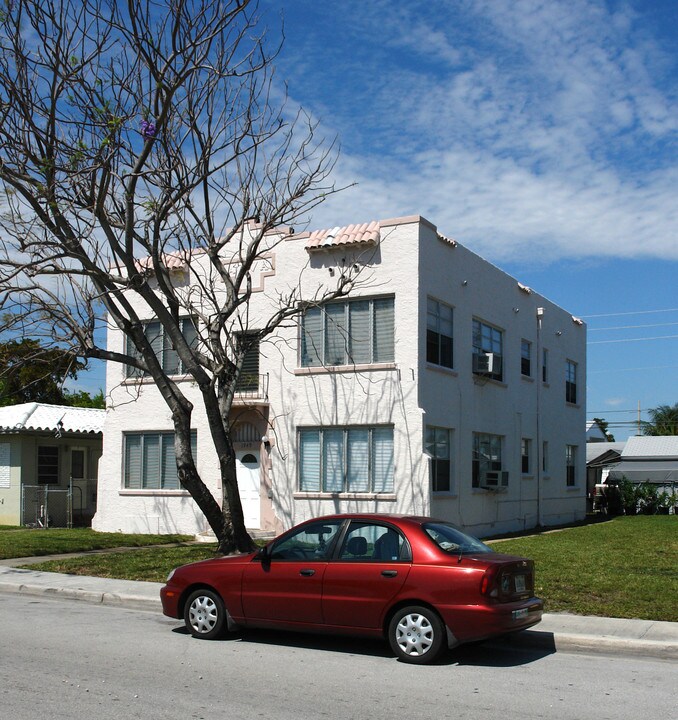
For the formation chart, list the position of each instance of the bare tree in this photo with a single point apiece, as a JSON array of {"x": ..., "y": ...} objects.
[{"x": 135, "y": 136}]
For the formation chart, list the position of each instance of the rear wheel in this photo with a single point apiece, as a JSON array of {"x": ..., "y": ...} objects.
[
  {"x": 416, "y": 634},
  {"x": 205, "y": 614}
]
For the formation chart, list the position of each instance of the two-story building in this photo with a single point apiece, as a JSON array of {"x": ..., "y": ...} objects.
[{"x": 440, "y": 386}]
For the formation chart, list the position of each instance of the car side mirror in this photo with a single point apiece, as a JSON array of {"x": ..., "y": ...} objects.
[{"x": 264, "y": 555}]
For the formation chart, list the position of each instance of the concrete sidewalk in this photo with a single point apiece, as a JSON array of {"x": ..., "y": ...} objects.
[{"x": 557, "y": 631}]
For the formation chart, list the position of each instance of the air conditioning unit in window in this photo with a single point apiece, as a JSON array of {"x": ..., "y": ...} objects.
[
  {"x": 486, "y": 363},
  {"x": 494, "y": 479}
]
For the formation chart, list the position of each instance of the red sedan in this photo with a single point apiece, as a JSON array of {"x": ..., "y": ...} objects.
[{"x": 422, "y": 583}]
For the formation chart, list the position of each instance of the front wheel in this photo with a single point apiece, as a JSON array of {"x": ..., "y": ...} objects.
[
  {"x": 416, "y": 634},
  {"x": 205, "y": 614}
]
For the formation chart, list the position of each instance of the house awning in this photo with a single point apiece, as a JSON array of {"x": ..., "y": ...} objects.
[{"x": 654, "y": 471}]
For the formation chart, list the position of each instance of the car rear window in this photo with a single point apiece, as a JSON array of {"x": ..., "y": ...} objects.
[{"x": 452, "y": 540}]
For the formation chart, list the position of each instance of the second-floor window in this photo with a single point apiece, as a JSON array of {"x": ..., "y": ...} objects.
[
  {"x": 488, "y": 353},
  {"x": 248, "y": 380},
  {"x": 571, "y": 382},
  {"x": 353, "y": 332},
  {"x": 162, "y": 347},
  {"x": 439, "y": 343},
  {"x": 526, "y": 358}
]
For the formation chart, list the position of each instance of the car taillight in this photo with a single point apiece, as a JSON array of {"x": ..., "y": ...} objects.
[{"x": 487, "y": 585}]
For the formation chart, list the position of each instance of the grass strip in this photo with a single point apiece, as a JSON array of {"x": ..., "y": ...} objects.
[{"x": 29, "y": 542}]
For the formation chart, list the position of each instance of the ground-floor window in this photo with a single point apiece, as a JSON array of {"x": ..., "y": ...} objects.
[
  {"x": 438, "y": 449},
  {"x": 526, "y": 456},
  {"x": 487, "y": 464},
  {"x": 346, "y": 459},
  {"x": 150, "y": 462},
  {"x": 571, "y": 465}
]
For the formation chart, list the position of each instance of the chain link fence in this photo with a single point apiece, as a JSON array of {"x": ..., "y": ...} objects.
[{"x": 43, "y": 506}]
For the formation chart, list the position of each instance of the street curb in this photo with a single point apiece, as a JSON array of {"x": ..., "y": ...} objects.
[
  {"x": 133, "y": 602},
  {"x": 599, "y": 645},
  {"x": 148, "y": 599}
]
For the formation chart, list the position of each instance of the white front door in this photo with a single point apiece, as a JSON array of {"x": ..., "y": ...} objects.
[{"x": 249, "y": 482}]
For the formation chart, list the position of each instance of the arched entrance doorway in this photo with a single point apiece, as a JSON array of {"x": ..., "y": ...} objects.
[{"x": 248, "y": 471}]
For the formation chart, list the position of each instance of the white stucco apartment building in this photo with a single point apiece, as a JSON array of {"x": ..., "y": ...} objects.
[{"x": 441, "y": 386}]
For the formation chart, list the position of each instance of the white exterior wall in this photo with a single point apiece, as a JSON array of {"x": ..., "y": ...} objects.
[
  {"x": 410, "y": 263},
  {"x": 518, "y": 407}
]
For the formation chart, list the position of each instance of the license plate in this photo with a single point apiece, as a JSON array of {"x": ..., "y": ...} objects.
[
  {"x": 520, "y": 614},
  {"x": 519, "y": 581}
]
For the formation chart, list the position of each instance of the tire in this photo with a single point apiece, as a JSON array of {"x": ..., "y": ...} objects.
[
  {"x": 205, "y": 614},
  {"x": 416, "y": 634}
]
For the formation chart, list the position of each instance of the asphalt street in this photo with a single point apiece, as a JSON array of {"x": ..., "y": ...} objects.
[{"x": 65, "y": 660}]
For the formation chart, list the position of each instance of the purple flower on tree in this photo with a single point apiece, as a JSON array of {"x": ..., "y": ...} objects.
[{"x": 148, "y": 129}]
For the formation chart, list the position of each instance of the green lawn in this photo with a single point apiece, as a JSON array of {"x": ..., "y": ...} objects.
[
  {"x": 627, "y": 567},
  {"x": 24, "y": 542}
]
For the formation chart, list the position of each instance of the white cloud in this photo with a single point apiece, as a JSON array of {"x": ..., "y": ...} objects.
[{"x": 523, "y": 128}]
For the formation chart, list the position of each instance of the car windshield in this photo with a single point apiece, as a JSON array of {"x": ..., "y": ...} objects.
[{"x": 452, "y": 540}]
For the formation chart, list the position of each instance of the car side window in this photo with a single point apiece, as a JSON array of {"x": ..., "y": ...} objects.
[
  {"x": 310, "y": 542},
  {"x": 372, "y": 542}
]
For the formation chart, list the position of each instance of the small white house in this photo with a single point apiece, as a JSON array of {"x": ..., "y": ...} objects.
[
  {"x": 48, "y": 453},
  {"x": 442, "y": 386},
  {"x": 649, "y": 459}
]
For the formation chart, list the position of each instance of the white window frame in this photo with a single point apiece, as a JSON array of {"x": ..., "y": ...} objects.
[
  {"x": 163, "y": 348},
  {"x": 439, "y": 449},
  {"x": 571, "y": 390},
  {"x": 331, "y": 459},
  {"x": 166, "y": 474},
  {"x": 440, "y": 325},
  {"x": 489, "y": 339},
  {"x": 571, "y": 466},
  {"x": 330, "y": 334}
]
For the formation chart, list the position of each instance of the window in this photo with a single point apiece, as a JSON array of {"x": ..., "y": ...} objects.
[
  {"x": 347, "y": 333},
  {"x": 545, "y": 456},
  {"x": 162, "y": 347},
  {"x": 571, "y": 382},
  {"x": 571, "y": 465},
  {"x": 439, "y": 333},
  {"x": 487, "y": 460},
  {"x": 353, "y": 459},
  {"x": 310, "y": 542},
  {"x": 545, "y": 366},
  {"x": 372, "y": 542},
  {"x": 526, "y": 358},
  {"x": 248, "y": 380},
  {"x": 526, "y": 456},
  {"x": 438, "y": 448},
  {"x": 487, "y": 350},
  {"x": 150, "y": 463},
  {"x": 77, "y": 464},
  {"x": 48, "y": 465}
]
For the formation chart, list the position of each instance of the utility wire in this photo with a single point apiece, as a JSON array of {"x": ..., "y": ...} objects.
[
  {"x": 659, "y": 337},
  {"x": 631, "y": 327},
  {"x": 635, "y": 312}
]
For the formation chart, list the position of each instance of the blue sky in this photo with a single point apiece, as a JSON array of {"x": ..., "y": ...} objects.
[{"x": 541, "y": 134}]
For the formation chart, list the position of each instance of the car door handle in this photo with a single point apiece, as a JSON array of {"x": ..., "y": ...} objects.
[
  {"x": 389, "y": 573},
  {"x": 307, "y": 573}
]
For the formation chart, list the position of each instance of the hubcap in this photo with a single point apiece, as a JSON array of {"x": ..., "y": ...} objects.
[
  {"x": 414, "y": 634},
  {"x": 203, "y": 614}
]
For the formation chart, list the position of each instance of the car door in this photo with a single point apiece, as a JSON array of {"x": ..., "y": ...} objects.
[
  {"x": 370, "y": 568},
  {"x": 285, "y": 585}
]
